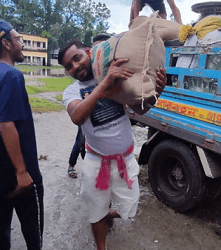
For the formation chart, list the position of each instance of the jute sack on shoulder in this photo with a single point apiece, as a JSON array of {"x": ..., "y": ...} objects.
[
  {"x": 166, "y": 29},
  {"x": 144, "y": 48}
]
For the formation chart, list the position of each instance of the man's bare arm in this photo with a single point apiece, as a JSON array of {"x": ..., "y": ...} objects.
[
  {"x": 79, "y": 110},
  {"x": 175, "y": 10},
  {"x": 161, "y": 81},
  {"x": 135, "y": 9},
  {"x": 11, "y": 141}
]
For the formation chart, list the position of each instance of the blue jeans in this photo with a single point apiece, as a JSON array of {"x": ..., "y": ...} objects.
[
  {"x": 29, "y": 209},
  {"x": 78, "y": 148}
]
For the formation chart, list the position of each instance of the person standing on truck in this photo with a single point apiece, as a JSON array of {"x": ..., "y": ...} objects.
[
  {"x": 21, "y": 185},
  {"x": 110, "y": 170},
  {"x": 138, "y": 5}
]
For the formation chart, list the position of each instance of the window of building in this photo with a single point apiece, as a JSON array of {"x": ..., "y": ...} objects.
[{"x": 27, "y": 43}]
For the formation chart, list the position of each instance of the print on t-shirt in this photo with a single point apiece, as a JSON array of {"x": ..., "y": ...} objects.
[{"x": 105, "y": 111}]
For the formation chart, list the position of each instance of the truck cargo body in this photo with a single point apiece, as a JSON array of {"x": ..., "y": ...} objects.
[{"x": 187, "y": 116}]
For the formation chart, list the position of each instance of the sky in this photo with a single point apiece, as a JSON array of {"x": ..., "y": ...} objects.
[{"x": 120, "y": 12}]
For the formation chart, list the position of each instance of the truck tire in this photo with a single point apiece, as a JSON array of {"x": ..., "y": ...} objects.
[{"x": 176, "y": 175}]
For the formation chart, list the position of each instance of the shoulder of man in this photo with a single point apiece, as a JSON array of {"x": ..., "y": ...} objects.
[{"x": 8, "y": 73}]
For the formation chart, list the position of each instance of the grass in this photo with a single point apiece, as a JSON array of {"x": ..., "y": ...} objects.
[
  {"x": 54, "y": 84},
  {"x": 51, "y": 85},
  {"x": 43, "y": 105},
  {"x": 32, "y": 68},
  {"x": 32, "y": 90},
  {"x": 59, "y": 97}
]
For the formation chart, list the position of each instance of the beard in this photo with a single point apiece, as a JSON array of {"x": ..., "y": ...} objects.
[
  {"x": 20, "y": 59},
  {"x": 88, "y": 76}
]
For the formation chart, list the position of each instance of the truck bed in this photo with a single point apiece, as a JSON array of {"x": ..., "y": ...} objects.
[{"x": 190, "y": 106}]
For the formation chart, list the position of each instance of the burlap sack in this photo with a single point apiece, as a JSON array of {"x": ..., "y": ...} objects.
[
  {"x": 144, "y": 48},
  {"x": 167, "y": 30}
]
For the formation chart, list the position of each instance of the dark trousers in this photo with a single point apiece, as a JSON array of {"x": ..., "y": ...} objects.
[
  {"x": 78, "y": 148},
  {"x": 29, "y": 209}
]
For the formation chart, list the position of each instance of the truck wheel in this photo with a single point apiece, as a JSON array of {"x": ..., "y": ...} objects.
[{"x": 176, "y": 175}]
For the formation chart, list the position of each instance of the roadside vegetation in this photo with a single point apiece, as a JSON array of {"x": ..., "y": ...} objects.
[
  {"x": 50, "y": 84},
  {"x": 59, "y": 97},
  {"x": 55, "y": 84},
  {"x": 59, "y": 21},
  {"x": 32, "y": 68},
  {"x": 39, "y": 105}
]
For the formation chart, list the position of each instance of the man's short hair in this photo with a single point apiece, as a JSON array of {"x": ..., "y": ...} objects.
[
  {"x": 66, "y": 46},
  {"x": 101, "y": 37}
]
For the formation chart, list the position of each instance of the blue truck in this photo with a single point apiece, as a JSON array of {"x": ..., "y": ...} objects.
[{"x": 183, "y": 150}]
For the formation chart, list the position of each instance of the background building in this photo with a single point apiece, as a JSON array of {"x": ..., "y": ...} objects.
[{"x": 35, "y": 50}]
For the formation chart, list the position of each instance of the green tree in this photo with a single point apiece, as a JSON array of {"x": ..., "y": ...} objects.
[
  {"x": 27, "y": 16},
  {"x": 63, "y": 19},
  {"x": 46, "y": 12},
  {"x": 90, "y": 17},
  {"x": 56, "y": 16},
  {"x": 7, "y": 11},
  {"x": 63, "y": 33},
  {"x": 32, "y": 16},
  {"x": 50, "y": 13}
]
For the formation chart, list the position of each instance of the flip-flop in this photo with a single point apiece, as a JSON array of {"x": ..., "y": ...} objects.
[{"x": 72, "y": 172}]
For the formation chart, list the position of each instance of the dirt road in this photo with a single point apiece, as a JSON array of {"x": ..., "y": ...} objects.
[{"x": 66, "y": 228}]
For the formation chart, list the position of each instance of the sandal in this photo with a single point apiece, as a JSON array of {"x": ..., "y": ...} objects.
[{"x": 72, "y": 172}]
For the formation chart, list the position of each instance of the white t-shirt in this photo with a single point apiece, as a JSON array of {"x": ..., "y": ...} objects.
[{"x": 108, "y": 129}]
